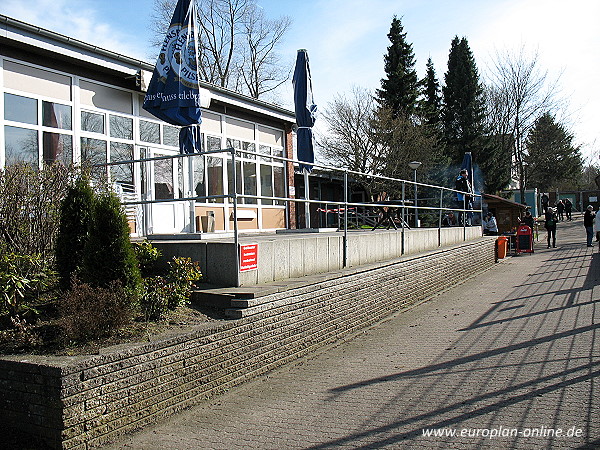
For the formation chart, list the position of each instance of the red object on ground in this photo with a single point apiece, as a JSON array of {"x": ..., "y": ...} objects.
[{"x": 524, "y": 239}]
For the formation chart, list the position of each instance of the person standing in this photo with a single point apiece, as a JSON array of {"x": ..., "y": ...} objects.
[
  {"x": 597, "y": 226},
  {"x": 568, "y": 208},
  {"x": 550, "y": 226},
  {"x": 528, "y": 219},
  {"x": 545, "y": 200},
  {"x": 490, "y": 226},
  {"x": 464, "y": 198},
  {"x": 588, "y": 223},
  {"x": 560, "y": 209}
]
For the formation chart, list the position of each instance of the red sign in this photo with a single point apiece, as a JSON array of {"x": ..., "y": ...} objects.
[{"x": 248, "y": 257}]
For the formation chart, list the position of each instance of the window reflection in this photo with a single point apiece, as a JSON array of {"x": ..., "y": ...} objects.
[
  {"x": 250, "y": 184},
  {"x": 121, "y": 173},
  {"x": 21, "y": 146},
  {"x": 279, "y": 184},
  {"x": 163, "y": 179},
  {"x": 149, "y": 132},
  {"x": 20, "y": 109},
  {"x": 121, "y": 127},
  {"x": 92, "y": 122},
  {"x": 57, "y": 148},
  {"x": 215, "y": 177},
  {"x": 56, "y": 115},
  {"x": 93, "y": 151},
  {"x": 266, "y": 183},
  {"x": 170, "y": 136}
]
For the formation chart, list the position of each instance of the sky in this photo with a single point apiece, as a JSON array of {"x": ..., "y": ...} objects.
[{"x": 347, "y": 39}]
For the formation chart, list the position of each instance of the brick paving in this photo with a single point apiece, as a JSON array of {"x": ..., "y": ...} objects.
[{"x": 514, "y": 352}]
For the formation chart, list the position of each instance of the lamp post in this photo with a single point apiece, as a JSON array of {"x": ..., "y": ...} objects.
[{"x": 414, "y": 165}]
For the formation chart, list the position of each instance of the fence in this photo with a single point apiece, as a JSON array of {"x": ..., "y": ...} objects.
[{"x": 417, "y": 203}]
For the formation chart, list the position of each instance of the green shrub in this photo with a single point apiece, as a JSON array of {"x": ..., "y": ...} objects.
[
  {"x": 108, "y": 253},
  {"x": 75, "y": 217},
  {"x": 89, "y": 312},
  {"x": 22, "y": 277},
  {"x": 183, "y": 273},
  {"x": 147, "y": 256},
  {"x": 161, "y": 294}
]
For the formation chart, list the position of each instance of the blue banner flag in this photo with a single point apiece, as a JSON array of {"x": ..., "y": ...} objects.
[
  {"x": 173, "y": 94},
  {"x": 305, "y": 109}
]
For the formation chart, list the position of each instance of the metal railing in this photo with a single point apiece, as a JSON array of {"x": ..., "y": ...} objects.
[{"x": 431, "y": 205}]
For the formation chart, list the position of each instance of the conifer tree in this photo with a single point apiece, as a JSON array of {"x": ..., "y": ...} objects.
[
  {"x": 430, "y": 103},
  {"x": 108, "y": 253},
  {"x": 399, "y": 91},
  {"x": 463, "y": 107},
  {"x": 75, "y": 216},
  {"x": 551, "y": 158}
]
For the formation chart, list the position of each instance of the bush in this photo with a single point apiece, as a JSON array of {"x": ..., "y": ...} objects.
[
  {"x": 22, "y": 277},
  {"x": 161, "y": 294},
  {"x": 75, "y": 217},
  {"x": 89, "y": 312},
  {"x": 108, "y": 253},
  {"x": 147, "y": 256},
  {"x": 30, "y": 207}
]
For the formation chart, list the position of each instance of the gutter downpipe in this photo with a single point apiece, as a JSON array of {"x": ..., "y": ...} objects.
[{"x": 236, "y": 238}]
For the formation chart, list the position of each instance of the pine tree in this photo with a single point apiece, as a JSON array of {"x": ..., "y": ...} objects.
[
  {"x": 551, "y": 158},
  {"x": 429, "y": 105},
  {"x": 462, "y": 112},
  {"x": 399, "y": 91}
]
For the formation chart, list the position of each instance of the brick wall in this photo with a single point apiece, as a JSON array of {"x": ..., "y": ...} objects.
[{"x": 88, "y": 401}]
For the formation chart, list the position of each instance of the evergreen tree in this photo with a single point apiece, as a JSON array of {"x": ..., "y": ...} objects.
[
  {"x": 463, "y": 107},
  {"x": 399, "y": 91},
  {"x": 551, "y": 159},
  {"x": 75, "y": 216},
  {"x": 430, "y": 103},
  {"x": 108, "y": 253}
]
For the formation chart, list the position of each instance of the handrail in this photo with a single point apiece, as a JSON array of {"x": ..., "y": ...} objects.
[{"x": 403, "y": 204}]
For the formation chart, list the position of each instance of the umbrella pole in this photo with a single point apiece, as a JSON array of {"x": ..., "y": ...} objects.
[
  {"x": 306, "y": 204},
  {"x": 192, "y": 193}
]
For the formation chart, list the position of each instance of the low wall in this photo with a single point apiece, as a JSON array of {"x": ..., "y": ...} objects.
[
  {"x": 290, "y": 256},
  {"x": 86, "y": 402}
]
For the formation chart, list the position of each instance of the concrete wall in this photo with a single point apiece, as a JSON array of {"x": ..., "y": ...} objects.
[
  {"x": 282, "y": 257},
  {"x": 86, "y": 402}
]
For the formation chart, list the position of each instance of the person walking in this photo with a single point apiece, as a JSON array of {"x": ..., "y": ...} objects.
[
  {"x": 588, "y": 223},
  {"x": 568, "y": 208},
  {"x": 597, "y": 227},
  {"x": 550, "y": 226},
  {"x": 560, "y": 209},
  {"x": 545, "y": 200}
]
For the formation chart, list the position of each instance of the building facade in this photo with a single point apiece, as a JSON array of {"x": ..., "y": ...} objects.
[{"x": 62, "y": 100}]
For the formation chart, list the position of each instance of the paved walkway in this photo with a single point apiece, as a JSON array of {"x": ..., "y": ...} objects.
[{"x": 505, "y": 359}]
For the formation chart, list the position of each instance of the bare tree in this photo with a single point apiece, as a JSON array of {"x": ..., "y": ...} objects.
[
  {"x": 237, "y": 44},
  {"x": 365, "y": 138},
  {"x": 518, "y": 93}
]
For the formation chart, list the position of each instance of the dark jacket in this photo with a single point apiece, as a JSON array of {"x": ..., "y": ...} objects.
[
  {"x": 551, "y": 220},
  {"x": 588, "y": 218}
]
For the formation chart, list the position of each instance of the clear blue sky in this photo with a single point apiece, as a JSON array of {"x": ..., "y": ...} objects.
[{"x": 346, "y": 39}]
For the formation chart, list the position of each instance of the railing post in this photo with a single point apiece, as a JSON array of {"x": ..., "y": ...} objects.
[
  {"x": 345, "y": 259},
  {"x": 236, "y": 238},
  {"x": 402, "y": 222}
]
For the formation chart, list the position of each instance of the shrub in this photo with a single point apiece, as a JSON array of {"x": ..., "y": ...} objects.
[
  {"x": 30, "y": 207},
  {"x": 108, "y": 254},
  {"x": 147, "y": 256},
  {"x": 75, "y": 217},
  {"x": 22, "y": 277},
  {"x": 161, "y": 294},
  {"x": 183, "y": 272},
  {"x": 89, "y": 312}
]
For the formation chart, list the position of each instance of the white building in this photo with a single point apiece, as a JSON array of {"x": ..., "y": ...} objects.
[{"x": 68, "y": 101}]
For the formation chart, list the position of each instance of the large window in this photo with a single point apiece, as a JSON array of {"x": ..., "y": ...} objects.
[
  {"x": 20, "y": 145},
  {"x": 22, "y": 141}
]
